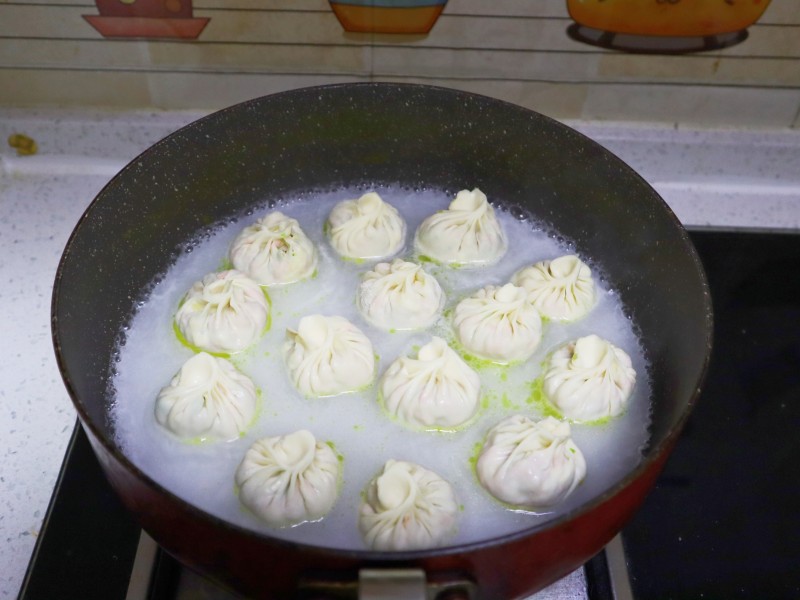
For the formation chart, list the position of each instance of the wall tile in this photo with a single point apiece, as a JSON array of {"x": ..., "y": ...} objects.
[
  {"x": 48, "y": 87},
  {"x": 182, "y": 90},
  {"x": 517, "y": 50}
]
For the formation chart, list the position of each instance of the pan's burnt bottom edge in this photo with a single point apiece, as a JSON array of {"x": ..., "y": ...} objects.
[{"x": 90, "y": 548}]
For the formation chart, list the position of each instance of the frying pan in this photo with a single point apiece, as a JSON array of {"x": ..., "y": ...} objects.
[{"x": 416, "y": 136}]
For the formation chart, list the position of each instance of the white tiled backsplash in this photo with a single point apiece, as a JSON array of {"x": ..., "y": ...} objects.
[{"x": 517, "y": 50}]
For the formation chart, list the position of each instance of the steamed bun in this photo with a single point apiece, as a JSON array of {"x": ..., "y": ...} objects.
[
  {"x": 289, "y": 479},
  {"x": 589, "y": 379},
  {"x": 500, "y": 324},
  {"x": 466, "y": 234},
  {"x": 367, "y": 228},
  {"x": 400, "y": 295},
  {"x": 274, "y": 250},
  {"x": 327, "y": 356},
  {"x": 223, "y": 313},
  {"x": 407, "y": 507},
  {"x": 530, "y": 464},
  {"x": 562, "y": 288},
  {"x": 436, "y": 390},
  {"x": 207, "y": 399}
]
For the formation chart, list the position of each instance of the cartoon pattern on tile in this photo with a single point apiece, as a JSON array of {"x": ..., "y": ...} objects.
[
  {"x": 156, "y": 19},
  {"x": 388, "y": 16},
  {"x": 663, "y": 26}
]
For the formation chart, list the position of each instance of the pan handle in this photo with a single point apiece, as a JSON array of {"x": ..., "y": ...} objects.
[{"x": 390, "y": 584}]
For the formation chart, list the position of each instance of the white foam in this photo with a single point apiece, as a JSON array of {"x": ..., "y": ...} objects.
[{"x": 360, "y": 431}]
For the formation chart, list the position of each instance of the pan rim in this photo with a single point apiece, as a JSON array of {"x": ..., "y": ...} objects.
[{"x": 653, "y": 454}]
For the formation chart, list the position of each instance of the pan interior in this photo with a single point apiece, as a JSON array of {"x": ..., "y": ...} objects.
[{"x": 354, "y": 423}]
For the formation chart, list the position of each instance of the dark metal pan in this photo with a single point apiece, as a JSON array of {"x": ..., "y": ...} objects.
[{"x": 325, "y": 137}]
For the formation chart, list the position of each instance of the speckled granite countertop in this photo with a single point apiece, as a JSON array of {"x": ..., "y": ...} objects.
[{"x": 739, "y": 179}]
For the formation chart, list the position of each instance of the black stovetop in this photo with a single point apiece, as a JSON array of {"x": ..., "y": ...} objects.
[
  {"x": 724, "y": 518},
  {"x": 722, "y": 521}
]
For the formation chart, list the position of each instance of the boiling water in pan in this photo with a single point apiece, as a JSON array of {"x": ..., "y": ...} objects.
[{"x": 203, "y": 473}]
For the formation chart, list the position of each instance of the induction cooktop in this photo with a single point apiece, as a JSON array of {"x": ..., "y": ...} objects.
[{"x": 722, "y": 521}]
